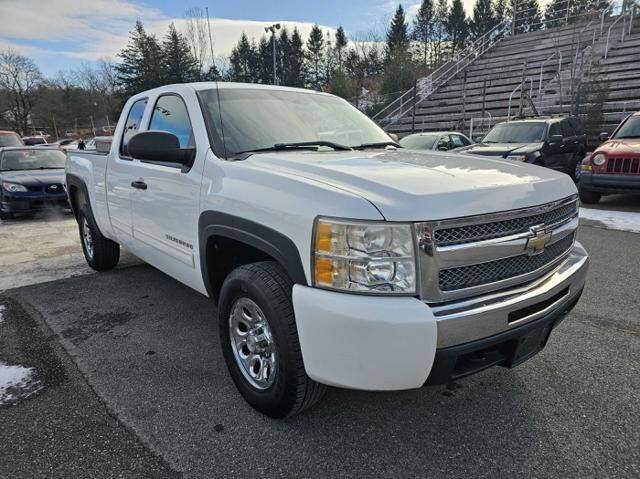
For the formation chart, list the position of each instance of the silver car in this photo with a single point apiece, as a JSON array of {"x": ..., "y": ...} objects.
[{"x": 437, "y": 140}]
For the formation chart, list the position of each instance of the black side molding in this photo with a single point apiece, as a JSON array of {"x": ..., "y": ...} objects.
[{"x": 269, "y": 241}]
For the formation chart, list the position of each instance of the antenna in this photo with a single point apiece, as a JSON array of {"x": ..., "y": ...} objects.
[{"x": 224, "y": 144}]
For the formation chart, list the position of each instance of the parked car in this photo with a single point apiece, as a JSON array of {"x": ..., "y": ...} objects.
[
  {"x": 34, "y": 140},
  {"x": 334, "y": 256},
  {"x": 438, "y": 140},
  {"x": 10, "y": 138},
  {"x": 32, "y": 180},
  {"x": 557, "y": 143},
  {"x": 613, "y": 167}
]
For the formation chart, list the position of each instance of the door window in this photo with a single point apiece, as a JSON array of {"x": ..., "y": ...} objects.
[
  {"x": 567, "y": 129},
  {"x": 554, "y": 129},
  {"x": 444, "y": 143},
  {"x": 170, "y": 115},
  {"x": 458, "y": 141},
  {"x": 132, "y": 125}
]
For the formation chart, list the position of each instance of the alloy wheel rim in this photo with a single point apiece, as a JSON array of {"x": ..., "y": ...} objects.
[
  {"x": 87, "y": 239},
  {"x": 252, "y": 343}
]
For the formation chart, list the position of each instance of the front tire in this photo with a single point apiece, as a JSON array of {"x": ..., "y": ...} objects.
[
  {"x": 260, "y": 342},
  {"x": 589, "y": 197},
  {"x": 101, "y": 253}
]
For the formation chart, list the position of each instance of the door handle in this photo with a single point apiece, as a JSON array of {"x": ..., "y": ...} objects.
[{"x": 141, "y": 185}]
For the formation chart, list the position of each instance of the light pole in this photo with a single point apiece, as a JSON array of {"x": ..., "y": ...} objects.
[{"x": 272, "y": 29}]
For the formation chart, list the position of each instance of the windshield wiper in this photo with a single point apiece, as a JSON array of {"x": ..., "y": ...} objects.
[
  {"x": 301, "y": 145},
  {"x": 623, "y": 137},
  {"x": 380, "y": 144}
]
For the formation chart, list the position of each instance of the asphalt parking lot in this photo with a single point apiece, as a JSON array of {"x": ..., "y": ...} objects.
[{"x": 149, "y": 392}]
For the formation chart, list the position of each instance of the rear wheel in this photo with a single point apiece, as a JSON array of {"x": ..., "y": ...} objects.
[
  {"x": 5, "y": 215},
  {"x": 260, "y": 341},
  {"x": 101, "y": 253},
  {"x": 589, "y": 197}
]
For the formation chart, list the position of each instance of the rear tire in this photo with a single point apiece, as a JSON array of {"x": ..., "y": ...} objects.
[
  {"x": 101, "y": 253},
  {"x": 589, "y": 197},
  {"x": 256, "y": 299},
  {"x": 5, "y": 215}
]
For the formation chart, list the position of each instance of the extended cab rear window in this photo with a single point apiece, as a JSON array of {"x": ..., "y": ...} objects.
[{"x": 132, "y": 125}]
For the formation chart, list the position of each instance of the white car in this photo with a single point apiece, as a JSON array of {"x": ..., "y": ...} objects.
[{"x": 335, "y": 257}]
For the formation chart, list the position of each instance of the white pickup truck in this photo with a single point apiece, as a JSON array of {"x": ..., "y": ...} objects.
[{"x": 335, "y": 257}]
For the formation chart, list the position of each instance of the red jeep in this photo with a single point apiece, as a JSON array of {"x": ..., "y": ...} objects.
[{"x": 614, "y": 167}]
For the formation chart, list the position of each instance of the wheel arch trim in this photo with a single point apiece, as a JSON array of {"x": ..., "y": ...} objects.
[{"x": 271, "y": 242}]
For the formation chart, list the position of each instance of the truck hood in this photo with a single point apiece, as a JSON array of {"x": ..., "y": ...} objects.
[
  {"x": 413, "y": 186},
  {"x": 34, "y": 178},
  {"x": 501, "y": 149}
]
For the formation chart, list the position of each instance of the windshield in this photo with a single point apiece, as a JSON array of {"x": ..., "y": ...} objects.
[
  {"x": 255, "y": 119},
  {"x": 10, "y": 139},
  {"x": 630, "y": 129},
  {"x": 31, "y": 159},
  {"x": 419, "y": 142},
  {"x": 529, "y": 132}
]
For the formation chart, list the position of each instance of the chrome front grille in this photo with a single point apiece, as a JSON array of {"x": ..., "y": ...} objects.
[
  {"x": 496, "y": 229},
  {"x": 465, "y": 257},
  {"x": 493, "y": 271}
]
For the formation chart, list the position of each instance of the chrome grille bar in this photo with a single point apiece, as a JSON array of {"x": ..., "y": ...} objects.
[{"x": 451, "y": 263}]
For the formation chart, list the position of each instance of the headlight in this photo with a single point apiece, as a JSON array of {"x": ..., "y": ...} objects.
[
  {"x": 599, "y": 159},
  {"x": 517, "y": 157},
  {"x": 13, "y": 187},
  {"x": 376, "y": 258}
]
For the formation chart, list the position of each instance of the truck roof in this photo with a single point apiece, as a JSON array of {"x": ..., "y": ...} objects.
[{"x": 198, "y": 86}]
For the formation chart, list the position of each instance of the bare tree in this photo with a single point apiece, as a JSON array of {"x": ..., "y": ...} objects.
[
  {"x": 198, "y": 36},
  {"x": 20, "y": 80}
]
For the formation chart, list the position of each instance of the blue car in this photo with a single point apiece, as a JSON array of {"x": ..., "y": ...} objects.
[{"x": 31, "y": 180}]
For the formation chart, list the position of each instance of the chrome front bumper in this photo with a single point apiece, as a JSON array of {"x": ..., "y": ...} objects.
[{"x": 459, "y": 322}]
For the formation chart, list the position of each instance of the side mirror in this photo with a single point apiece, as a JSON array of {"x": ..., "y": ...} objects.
[
  {"x": 159, "y": 146},
  {"x": 604, "y": 136},
  {"x": 556, "y": 139},
  {"x": 393, "y": 136}
]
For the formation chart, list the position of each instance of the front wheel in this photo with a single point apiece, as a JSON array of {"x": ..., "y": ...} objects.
[
  {"x": 101, "y": 253},
  {"x": 260, "y": 342}
]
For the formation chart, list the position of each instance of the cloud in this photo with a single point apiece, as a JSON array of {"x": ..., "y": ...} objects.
[{"x": 90, "y": 30}]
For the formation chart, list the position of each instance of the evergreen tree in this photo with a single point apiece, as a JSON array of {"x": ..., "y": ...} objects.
[
  {"x": 178, "y": 62},
  {"x": 283, "y": 55},
  {"x": 341, "y": 44},
  {"x": 296, "y": 60},
  {"x": 398, "y": 35},
  {"x": 244, "y": 61},
  {"x": 423, "y": 28},
  {"x": 500, "y": 10},
  {"x": 141, "y": 66},
  {"x": 265, "y": 61},
  {"x": 399, "y": 69},
  {"x": 315, "y": 55},
  {"x": 440, "y": 30},
  {"x": 483, "y": 19},
  {"x": 528, "y": 16},
  {"x": 555, "y": 13},
  {"x": 457, "y": 26}
]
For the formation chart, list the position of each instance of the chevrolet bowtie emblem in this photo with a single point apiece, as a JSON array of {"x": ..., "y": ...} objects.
[{"x": 538, "y": 241}]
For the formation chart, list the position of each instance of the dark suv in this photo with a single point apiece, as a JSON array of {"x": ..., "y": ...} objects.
[{"x": 558, "y": 143}]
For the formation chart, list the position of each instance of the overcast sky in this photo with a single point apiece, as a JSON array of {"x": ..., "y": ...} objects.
[{"x": 61, "y": 34}]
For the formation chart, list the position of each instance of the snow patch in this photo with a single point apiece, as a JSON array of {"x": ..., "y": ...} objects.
[
  {"x": 17, "y": 382},
  {"x": 615, "y": 220}
]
